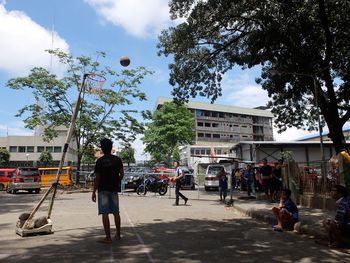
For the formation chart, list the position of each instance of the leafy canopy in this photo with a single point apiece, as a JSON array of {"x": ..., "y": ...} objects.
[
  {"x": 108, "y": 115},
  {"x": 301, "y": 46},
  {"x": 171, "y": 125},
  {"x": 4, "y": 158},
  {"x": 127, "y": 154},
  {"x": 45, "y": 158}
]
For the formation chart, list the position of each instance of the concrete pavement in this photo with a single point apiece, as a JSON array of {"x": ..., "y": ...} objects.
[{"x": 153, "y": 231}]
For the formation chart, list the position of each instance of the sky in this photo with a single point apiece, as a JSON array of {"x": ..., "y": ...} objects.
[{"x": 83, "y": 27}]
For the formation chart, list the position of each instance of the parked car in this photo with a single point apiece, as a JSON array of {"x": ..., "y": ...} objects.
[
  {"x": 134, "y": 176},
  {"x": 5, "y": 177},
  {"x": 211, "y": 180},
  {"x": 187, "y": 182},
  {"x": 90, "y": 178},
  {"x": 25, "y": 178}
]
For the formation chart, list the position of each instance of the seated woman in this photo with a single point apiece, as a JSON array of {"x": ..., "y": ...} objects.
[
  {"x": 340, "y": 224},
  {"x": 286, "y": 212}
]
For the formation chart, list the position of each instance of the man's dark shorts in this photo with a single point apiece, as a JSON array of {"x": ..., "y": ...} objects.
[
  {"x": 266, "y": 184},
  {"x": 108, "y": 202}
]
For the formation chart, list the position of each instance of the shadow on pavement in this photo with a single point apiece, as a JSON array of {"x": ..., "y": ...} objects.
[{"x": 185, "y": 240}]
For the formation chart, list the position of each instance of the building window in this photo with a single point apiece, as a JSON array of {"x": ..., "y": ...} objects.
[
  {"x": 192, "y": 151},
  {"x": 214, "y": 114},
  {"x": 208, "y": 135},
  {"x": 200, "y": 123},
  {"x": 218, "y": 151},
  {"x": 57, "y": 149},
  {"x": 198, "y": 151},
  {"x": 30, "y": 149},
  {"x": 215, "y": 125},
  {"x": 207, "y": 151},
  {"x": 40, "y": 149},
  {"x": 215, "y": 135},
  {"x": 49, "y": 149},
  {"x": 221, "y": 115},
  {"x": 21, "y": 149},
  {"x": 200, "y": 134},
  {"x": 202, "y": 151},
  {"x": 206, "y": 113},
  {"x": 207, "y": 124}
]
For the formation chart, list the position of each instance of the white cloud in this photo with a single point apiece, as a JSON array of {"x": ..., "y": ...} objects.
[
  {"x": 23, "y": 43},
  {"x": 139, "y": 148},
  {"x": 139, "y": 18},
  {"x": 241, "y": 92}
]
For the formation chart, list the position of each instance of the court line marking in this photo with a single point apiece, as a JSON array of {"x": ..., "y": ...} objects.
[{"x": 146, "y": 250}]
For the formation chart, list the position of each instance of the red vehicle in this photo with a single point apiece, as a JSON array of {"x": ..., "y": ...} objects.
[
  {"x": 5, "y": 177},
  {"x": 25, "y": 178}
]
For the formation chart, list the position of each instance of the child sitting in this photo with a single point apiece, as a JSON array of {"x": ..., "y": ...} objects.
[
  {"x": 340, "y": 224},
  {"x": 286, "y": 212}
]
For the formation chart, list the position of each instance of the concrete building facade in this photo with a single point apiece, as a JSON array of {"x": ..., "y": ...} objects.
[
  {"x": 26, "y": 150},
  {"x": 219, "y": 127}
]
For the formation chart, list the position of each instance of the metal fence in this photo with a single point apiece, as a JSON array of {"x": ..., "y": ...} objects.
[
  {"x": 303, "y": 179},
  {"x": 316, "y": 178}
]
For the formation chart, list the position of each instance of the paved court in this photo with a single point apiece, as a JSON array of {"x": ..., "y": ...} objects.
[{"x": 152, "y": 231}]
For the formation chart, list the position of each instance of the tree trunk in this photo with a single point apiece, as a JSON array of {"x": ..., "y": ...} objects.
[
  {"x": 80, "y": 156},
  {"x": 335, "y": 127}
]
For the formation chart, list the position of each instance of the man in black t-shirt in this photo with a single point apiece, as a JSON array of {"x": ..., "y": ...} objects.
[
  {"x": 265, "y": 178},
  {"x": 109, "y": 171}
]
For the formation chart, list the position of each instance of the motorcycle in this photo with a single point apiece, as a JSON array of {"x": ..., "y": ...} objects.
[{"x": 153, "y": 185}]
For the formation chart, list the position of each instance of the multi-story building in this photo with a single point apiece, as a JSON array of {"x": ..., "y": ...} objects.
[
  {"x": 219, "y": 127},
  {"x": 26, "y": 150}
]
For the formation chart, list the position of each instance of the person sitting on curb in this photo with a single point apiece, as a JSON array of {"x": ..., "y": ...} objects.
[
  {"x": 340, "y": 224},
  {"x": 286, "y": 212}
]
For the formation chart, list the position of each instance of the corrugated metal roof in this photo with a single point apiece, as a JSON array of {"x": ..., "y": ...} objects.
[
  {"x": 287, "y": 142},
  {"x": 220, "y": 108}
]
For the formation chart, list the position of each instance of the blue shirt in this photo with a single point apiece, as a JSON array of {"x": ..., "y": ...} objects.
[
  {"x": 223, "y": 181},
  {"x": 342, "y": 211},
  {"x": 249, "y": 174},
  {"x": 291, "y": 208}
]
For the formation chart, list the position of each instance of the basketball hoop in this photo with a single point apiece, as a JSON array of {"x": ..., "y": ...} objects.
[{"x": 94, "y": 84}]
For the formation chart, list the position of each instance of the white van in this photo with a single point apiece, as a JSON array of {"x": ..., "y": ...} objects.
[{"x": 211, "y": 180}]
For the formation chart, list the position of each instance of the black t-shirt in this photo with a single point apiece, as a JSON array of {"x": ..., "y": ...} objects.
[
  {"x": 108, "y": 167},
  {"x": 265, "y": 172}
]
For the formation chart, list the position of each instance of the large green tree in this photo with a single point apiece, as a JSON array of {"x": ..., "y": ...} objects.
[
  {"x": 171, "y": 125},
  {"x": 4, "y": 158},
  {"x": 302, "y": 47},
  {"x": 45, "y": 158},
  {"x": 107, "y": 114},
  {"x": 127, "y": 154}
]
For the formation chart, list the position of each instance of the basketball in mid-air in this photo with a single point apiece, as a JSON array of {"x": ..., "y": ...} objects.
[{"x": 124, "y": 61}]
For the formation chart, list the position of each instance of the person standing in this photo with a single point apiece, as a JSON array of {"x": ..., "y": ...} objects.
[
  {"x": 265, "y": 177},
  {"x": 276, "y": 181},
  {"x": 179, "y": 174},
  {"x": 222, "y": 176},
  {"x": 109, "y": 171},
  {"x": 249, "y": 177}
]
